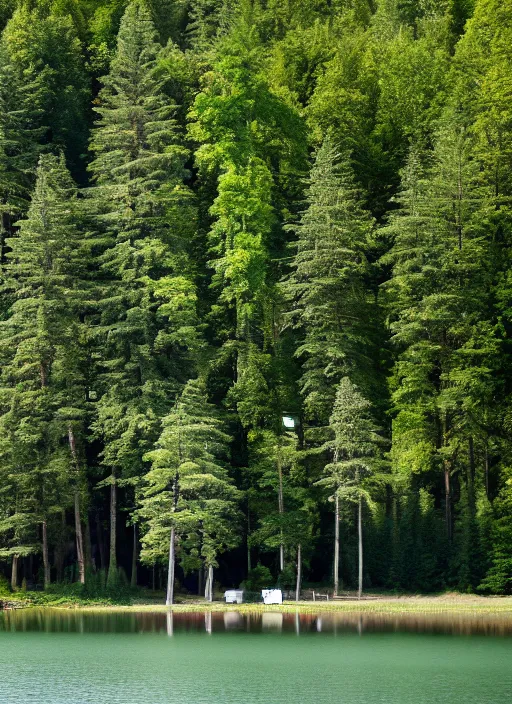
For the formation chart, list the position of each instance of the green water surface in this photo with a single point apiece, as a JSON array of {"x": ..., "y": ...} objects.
[{"x": 76, "y": 658}]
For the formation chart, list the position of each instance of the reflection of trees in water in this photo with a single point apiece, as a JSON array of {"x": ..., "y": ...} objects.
[{"x": 62, "y": 621}]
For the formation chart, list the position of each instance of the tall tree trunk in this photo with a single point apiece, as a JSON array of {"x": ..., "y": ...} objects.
[
  {"x": 170, "y": 572},
  {"x": 46, "y": 561},
  {"x": 447, "y": 500},
  {"x": 133, "y": 580},
  {"x": 87, "y": 542},
  {"x": 14, "y": 573},
  {"x": 208, "y": 592},
  {"x": 60, "y": 550},
  {"x": 78, "y": 521},
  {"x": 299, "y": 572},
  {"x": 207, "y": 586},
  {"x": 447, "y": 484},
  {"x": 280, "y": 500},
  {"x": 336, "y": 543},
  {"x": 112, "y": 560},
  {"x": 79, "y": 540},
  {"x": 360, "y": 546},
  {"x": 172, "y": 545},
  {"x": 101, "y": 543}
]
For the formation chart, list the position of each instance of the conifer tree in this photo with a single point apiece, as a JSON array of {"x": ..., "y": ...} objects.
[
  {"x": 205, "y": 19},
  {"x": 21, "y": 134},
  {"x": 42, "y": 279},
  {"x": 187, "y": 495},
  {"x": 498, "y": 579},
  {"x": 327, "y": 291},
  {"x": 355, "y": 451},
  {"x": 148, "y": 308},
  {"x": 440, "y": 313},
  {"x": 45, "y": 57}
]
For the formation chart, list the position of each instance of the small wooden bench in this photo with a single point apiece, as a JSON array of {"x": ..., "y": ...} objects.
[{"x": 316, "y": 596}]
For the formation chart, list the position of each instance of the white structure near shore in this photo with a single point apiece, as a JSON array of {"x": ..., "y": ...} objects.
[{"x": 272, "y": 596}]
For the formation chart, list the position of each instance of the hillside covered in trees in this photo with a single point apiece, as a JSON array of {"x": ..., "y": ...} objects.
[{"x": 256, "y": 293}]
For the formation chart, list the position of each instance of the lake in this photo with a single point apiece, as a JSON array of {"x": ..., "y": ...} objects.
[{"x": 73, "y": 657}]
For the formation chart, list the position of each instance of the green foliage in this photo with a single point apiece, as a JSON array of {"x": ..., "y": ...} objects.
[
  {"x": 5, "y": 587},
  {"x": 260, "y": 577},
  {"x": 38, "y": 348},
  {"x": 354, "y": 447},
  {"x": 499, "y": 577},
  {"x": 188, "y": 487},
  {"x": 45, "y": 56},
  {"x": 366, "y": 294},
  {"x": 327, "y": 291},
  {"x": 148, "y": 319}
]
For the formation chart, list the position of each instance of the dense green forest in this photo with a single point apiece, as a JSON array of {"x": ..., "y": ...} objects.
[{"x": 256, "y": 293}]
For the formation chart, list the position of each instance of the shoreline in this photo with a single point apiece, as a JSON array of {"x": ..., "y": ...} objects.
[{"x": 449, "y": 603}]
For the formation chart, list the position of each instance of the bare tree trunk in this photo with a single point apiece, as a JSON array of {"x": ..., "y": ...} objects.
[
  {"x": 133, "y": 580},
  {"x": 112, "y": 561},
  {"x": 79, "y": 540},
  {"x": 208, "y": 592},
  {"x": 170, "y": 572},
  {"x": 59, "y": 553},
  {"x": 447, "y": 484},
  {"x": 46, "y": 561},
  {"x": 14, "y": 573},
  {"x": 172, "y": 545},
  {"x": 299, "y": 572},
  {"x": 447, "y": 500},
  {"x": 101, "y": 544},
  {"x": 87, "y": 543},
  {"x": 280, "y": 500},
  {"x": 336, "y": 543},
  {"x": 78, "y": 522},
  {"x": 360, "y": 542}
]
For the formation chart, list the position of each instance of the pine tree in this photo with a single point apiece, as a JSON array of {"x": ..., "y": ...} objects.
[
  {"x": 355, "y": 452},
  {"x": 187, "y": 491},
  {"x": 148, "y": 308},
  {"x": 206, "y": 18},
  {"x": 498, "y": 579},
  {"x": 45, "y": 57},
  {"x": 327, "y": 290},
  {"x": 42, "y": 277},
  {"x": 443, "y": 378},
  {"x": 21, "y": 134}
]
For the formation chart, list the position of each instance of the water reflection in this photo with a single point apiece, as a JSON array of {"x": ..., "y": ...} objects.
[
  {"x": 170, "y": 623},
  {"x": 271, "y": 621},
  {"x": 233, "y": 621}
]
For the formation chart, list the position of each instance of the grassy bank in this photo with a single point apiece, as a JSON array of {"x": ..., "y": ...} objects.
[{"x": 384, "y": 604}]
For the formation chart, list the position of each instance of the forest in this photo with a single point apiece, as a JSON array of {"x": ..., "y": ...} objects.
[{"x": 256, "y": 294}]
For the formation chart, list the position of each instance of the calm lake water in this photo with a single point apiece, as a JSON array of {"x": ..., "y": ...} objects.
[{"x": 54, "y": 657}]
